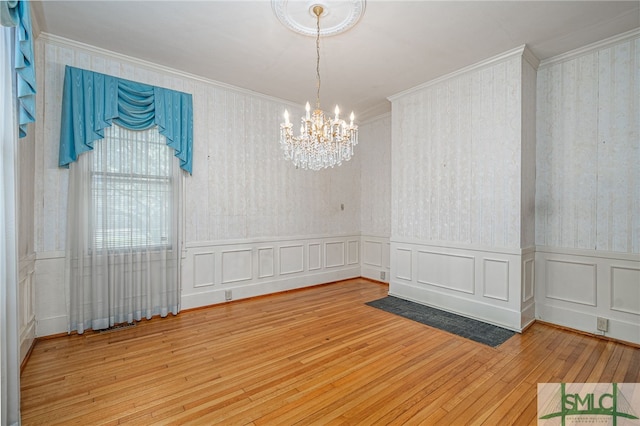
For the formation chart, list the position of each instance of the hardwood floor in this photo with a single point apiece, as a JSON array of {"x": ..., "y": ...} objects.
[{"x": 314, "y": 356}]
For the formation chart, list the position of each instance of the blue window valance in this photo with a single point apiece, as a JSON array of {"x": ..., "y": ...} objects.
[
  {"x": 15, "y": 13},
  {"x": 92, "y": 101}
]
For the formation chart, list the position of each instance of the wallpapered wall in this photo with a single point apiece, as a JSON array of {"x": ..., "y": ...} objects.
[
  {"x": 456, "y": 159},
  {"x": 375, "y": 176},
  {"x": 588, "y": 151},
  {"x": 588, "y": 188},
  {"x": 240, "y": 188}
]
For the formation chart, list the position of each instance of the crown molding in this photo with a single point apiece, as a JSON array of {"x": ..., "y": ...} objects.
[
  {"x": 509, "y": 54},
  {"x": 376, "y": 118},
  {"x": 65, "y": 42},
  {"x": 532, "y": 59},
  {"x": 590, "y": 48}
]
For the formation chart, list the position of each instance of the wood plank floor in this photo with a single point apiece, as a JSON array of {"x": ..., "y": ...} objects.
[{"x": 314, "y": 356}]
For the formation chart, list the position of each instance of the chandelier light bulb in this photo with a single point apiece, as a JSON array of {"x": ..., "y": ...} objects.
[{"x": 322, "y": 142}]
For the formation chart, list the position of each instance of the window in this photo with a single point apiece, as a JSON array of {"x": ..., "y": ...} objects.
[{"x": 131, "y": 190}]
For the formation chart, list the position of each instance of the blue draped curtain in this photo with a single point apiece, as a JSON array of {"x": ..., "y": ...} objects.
[
  {"x": 93, "y": 101},
  {"x": 123, "y": 215},
  {"x": 15, "y": 13}
]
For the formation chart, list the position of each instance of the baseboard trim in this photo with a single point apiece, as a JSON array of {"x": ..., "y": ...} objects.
[
  {"x": 498, "y": 316},
  {"x": 586, "y": 333},
  {"x": 23, "y": 364}
]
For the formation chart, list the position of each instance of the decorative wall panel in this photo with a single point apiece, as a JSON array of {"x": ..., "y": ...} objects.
[
  {"x": 26, "y": 304},
  {"x": 403, "y": 267},
  {"x": 585, "y": 284},
  {"x": 625, "y": 290},
  {"x": 450, "y": 271},
  {"x": 446, "y": 277},
  {"x": 528, "y": 281},
  {"x": 495, "y": 279},
  {"x": 265, "y": 262},
  {"x": 573, "y": 282},
  {"x": 375, "y": 258},
  {"x": 372, "y": 253},
  {"x": 334, "y": 254},
  {"x": 204, "y": 269},
  {"x": 353, "y": 252},
  {"x": 291, "y": 259},
  {"x": 315, "y": 256},
  {"x": 236, "y": 266}
]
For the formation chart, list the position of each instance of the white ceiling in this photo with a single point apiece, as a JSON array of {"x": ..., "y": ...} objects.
[{"x": 396, "y": 44}]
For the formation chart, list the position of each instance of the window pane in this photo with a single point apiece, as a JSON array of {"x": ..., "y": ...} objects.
[{"x": 131, "y": 189}]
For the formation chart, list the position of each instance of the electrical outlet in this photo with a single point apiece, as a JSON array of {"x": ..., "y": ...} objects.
[
  {"x": 603, "y": 324},
  {"x": 228, "y": 295},
  {"x": 383, "y": 275}
]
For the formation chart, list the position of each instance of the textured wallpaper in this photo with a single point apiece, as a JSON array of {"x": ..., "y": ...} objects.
[
  {"x": 241, "y": 186},
  {"x": 375, "y": 176},
  {"x": 588, "y": 151},
  {"x": 456, "y": 156}
]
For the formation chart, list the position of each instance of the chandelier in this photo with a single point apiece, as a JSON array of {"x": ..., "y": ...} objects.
[{"x": 323, "y": 142}]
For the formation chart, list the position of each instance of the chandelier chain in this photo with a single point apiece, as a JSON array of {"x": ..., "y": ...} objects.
[{"x": 318, "y": 60}]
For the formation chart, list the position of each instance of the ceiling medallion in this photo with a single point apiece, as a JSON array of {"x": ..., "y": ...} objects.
[{"x": 337, "y": 16}]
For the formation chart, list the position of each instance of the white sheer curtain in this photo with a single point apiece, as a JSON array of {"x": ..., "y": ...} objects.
[
  {"x": 123, "y": 230},
  {"x": 9, "y": 346}
]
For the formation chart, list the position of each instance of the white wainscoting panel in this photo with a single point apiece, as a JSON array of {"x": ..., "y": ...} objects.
[
  {"x": 495, "y": 279},
  {"x": 625, "y": 289},
  {"x": 248, "y": 268},
  {"x": 265, "y": 262},
  {"x": 451, "y": 271},
  {"x": 236, "y": 266},
  {"x": 574, "y": 287},
  {"x": 26, "y": 300},
  {"x": 291, "y": 259},
  {"x": 51, "y": 292},
  {"x": 386, "y": 254},
  {"x": 334, "y": 254},
  {"x": 252, "y": 268},
  {"x": 204, "y": 269},
  {"x": 315, "y": 256},
  {"x": 527, "y": 291},
  {"x": 372, "y": 253},
  {"x": 577, "y": 281},
  {"x": 353, "y": 247},
  {"x": 445, "y": 277},
  {"x": 403, "y": 267},
  {"x": 528, "y": 279},
  {"x": 375, "y": 258}
]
